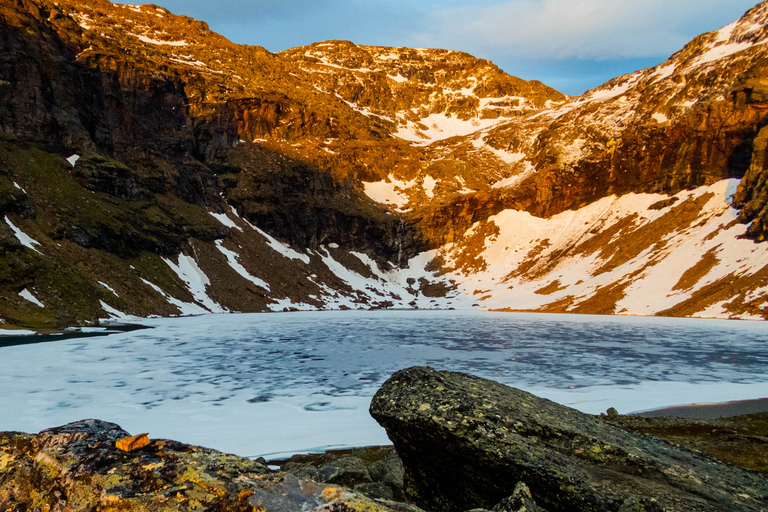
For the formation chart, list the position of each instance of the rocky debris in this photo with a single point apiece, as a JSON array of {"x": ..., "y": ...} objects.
[
  {"x": 738, "y": 440},
  {"x": 376, "y": 472},
  {"x": 466, "y": 441},
  {"x": 77, "y": 467},
  {"x": 520, "y": 501}
]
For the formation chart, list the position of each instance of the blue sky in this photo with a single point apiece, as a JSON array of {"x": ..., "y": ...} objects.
[{"x": 571, "y": 45}]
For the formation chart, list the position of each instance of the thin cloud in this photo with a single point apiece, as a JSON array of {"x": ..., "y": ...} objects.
[{"x": 584, "y": 29}]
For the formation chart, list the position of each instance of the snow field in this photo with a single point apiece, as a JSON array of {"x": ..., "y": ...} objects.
[{"x": 651, "y": 275}]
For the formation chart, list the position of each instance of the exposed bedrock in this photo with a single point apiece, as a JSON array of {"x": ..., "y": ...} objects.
[
  {"x": 466, "y": 442},
  {"x": 78, "y": 467}
]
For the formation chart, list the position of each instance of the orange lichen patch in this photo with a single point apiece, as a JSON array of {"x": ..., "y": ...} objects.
[
  {"x": 245, "y": 493},
  {"x": 551, "y": 288},
  {"x": 331, "y": 494},
  {"x": 620, "y": 250},
  {"x": 530, "y": 261},
  {"x": 469, "y": 258},
  {"x": 694, "y": 274},
  {"x": 129, "y": 444}
]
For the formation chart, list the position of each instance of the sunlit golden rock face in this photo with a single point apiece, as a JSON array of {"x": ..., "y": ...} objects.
[{"x": 338, "y": 147}]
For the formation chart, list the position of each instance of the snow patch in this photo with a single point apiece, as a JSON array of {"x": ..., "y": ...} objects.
[
  {"x": 719, "y": 52},
  {"x": 517, "y": 178},
  {"x": 664, "y": 71},
  {"x": 224, "y": 219},
  {"x": 112, "y": 312},
  {"x": 443, "y": 126},
  {"x": 158, "y": 42},
  {"x": 105, "y": 285},
  {"x": 73, "y": 160},
  {"x": 232, "y": 259},
  {"x": 196, "y": 281},
  {"x": 506, "y": 157},
  {"x": 26, "y": 294},
  {"x": 185, "y": 308},
  {"x": 22, "y": 237},
  {"x": 390, "y": 191},
  {"x": 659, "y": 118},
  {"x": 280, "y": 247},
  {"x": 429, "y": 186}
]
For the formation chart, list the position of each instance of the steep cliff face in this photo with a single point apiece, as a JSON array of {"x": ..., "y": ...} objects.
[{"x": 151, "y": 166}]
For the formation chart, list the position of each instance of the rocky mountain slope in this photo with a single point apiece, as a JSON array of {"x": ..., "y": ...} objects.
[{"x": 150, "y": 166}]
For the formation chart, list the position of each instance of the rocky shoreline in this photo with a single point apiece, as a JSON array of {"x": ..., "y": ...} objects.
[{"x": 460, "y": 443}]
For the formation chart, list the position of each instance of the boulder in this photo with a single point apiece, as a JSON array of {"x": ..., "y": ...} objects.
[
  {"x": 466, "y": 442},
  {"x": 78, "y": 467}
]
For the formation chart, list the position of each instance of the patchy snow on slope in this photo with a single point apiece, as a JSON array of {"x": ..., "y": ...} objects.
[
  {"x": 158, "y": 42},
  {"x": 189, "y": 61},
  {"x": 504, "y": 156},
  {"x": 224, "y": 219},
  {"x": 429, "y": 186},
  {"x": 390, "y": 191},
  {"x": 552, "y": 271},
  {"x": 196, "y": 281},
  {"x": 511, "y": 181},
  {"x": 233, "y": 260},
  {"x": 26, "y": 294},
  {"x": 112, "y": 312},
  {"x": 22, "y": 237},
  {"x": 443, "y": 126},
  {"x": 719, "y": 52},
  {"x": 279, "y": 246},
  {"x": 185, "y": 308},
  {"x": 664, "y": 71},
  {"x": 659, "y": 118},
  {"x": 105, "y": 285}
]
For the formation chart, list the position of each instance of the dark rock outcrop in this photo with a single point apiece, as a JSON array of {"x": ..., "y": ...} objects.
[
  {"x": 466, "y": 441},
  {"x": 375, "y": 472},
  {"x": 77, "y": 467}
]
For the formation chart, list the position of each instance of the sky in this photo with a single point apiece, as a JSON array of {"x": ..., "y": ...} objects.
[{"x": 571, "y": 45}]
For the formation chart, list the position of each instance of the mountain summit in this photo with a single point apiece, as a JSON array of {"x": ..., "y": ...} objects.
[{"x": 149, "y": 166}]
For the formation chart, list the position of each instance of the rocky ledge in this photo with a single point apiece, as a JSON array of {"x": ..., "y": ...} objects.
[
  {"x": 468, "y": 442},
  {"x": 88, "y": 466},
  {"x": 462, "y": 444}
]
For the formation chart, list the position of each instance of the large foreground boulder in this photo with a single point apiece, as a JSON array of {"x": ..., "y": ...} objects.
[
  {"x": 80, "y": 467},
  {"x": 466, "y": 442}
]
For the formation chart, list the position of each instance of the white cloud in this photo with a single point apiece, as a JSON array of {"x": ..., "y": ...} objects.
[{"x": 559, "y": 29}]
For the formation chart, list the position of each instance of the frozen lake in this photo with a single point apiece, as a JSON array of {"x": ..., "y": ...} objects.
[{"x": 280, "y": 383}]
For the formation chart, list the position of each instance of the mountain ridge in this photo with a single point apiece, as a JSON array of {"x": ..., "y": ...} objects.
[{"x": 220, "y": 177}]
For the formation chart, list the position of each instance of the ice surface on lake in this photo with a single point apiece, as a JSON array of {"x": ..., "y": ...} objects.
[{"x": 281, "y": 383}]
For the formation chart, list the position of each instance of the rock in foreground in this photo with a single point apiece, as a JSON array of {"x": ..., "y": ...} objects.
[
  {"x": 466, "y": 442},
  {"x": 77, "y": 467}
]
